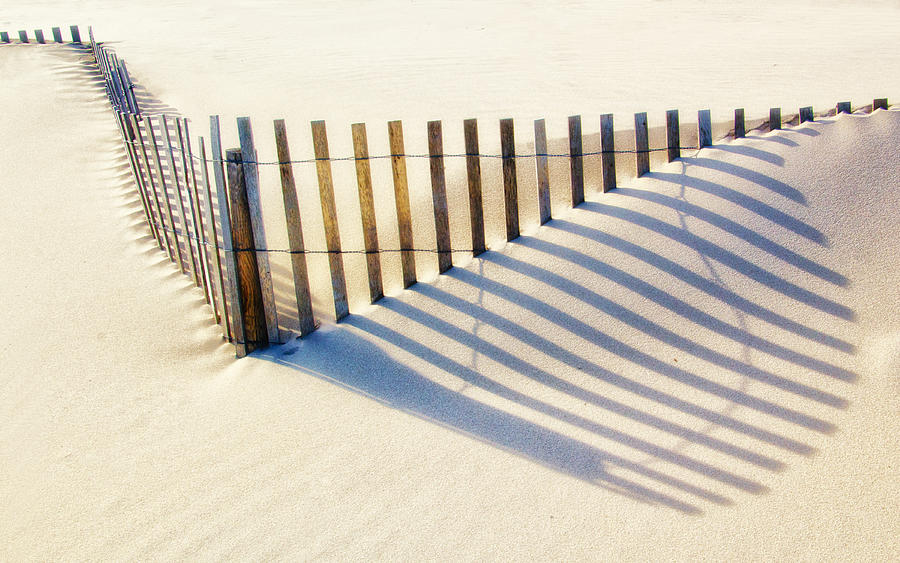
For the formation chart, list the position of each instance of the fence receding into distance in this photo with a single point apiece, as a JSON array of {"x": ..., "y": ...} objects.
[{"x": 203, "y": 208}]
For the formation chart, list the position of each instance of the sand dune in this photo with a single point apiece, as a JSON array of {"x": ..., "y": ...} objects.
[{"x": 701, "y": 364}]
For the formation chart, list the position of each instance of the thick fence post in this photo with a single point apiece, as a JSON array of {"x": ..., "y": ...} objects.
[
  {"x": 879, "y": 103},
  {"x": 473, "y": 178},
  {"x": 774, "y": 119},
  {"x": 607, "y": 152},
  {"x": 673, "y": 135},
  {"x": 295, "y": 231},
  {"x": 704, "y": 128},
  {"x": 329, "y": 218},
  {"x": 76, "y": 35},
  {"x": 510, "y": 185},
  {"x": 237, "y": 327},
  {"x": 439, "y": 196},
  {"x": 843, "y": 107},
  {"x": 576, "y": 160},
  {"x": 641, "y": 144},
  {"x": 367, "y": 210},
  {"x": 740, "y": 128},
  {"x": 39, "y": 35},
  {"x": 219, "y": 280},
  {"x": 806, "y": 114},
  {"x": 164, "y": 195},
  {"x": 401, "y": 200},
  {"x": 248, "y": 283},
  {"x": 542, "y": 169},
  {"x": 57, "y": 34}
]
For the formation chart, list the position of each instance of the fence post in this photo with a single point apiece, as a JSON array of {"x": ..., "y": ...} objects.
[
  {"x": 4, "y": 37},
  {"x": 164, "y": 194},
  {"x": 607, "y": 152},
  {"x": 251, "y": 181},
  {"x": 879, "y": 103},
  {"x": 401, "y": 200},
  {"x": 806, "y": 114},
  {"x": 576, "y": 160},
  {"x": 367, "y": 210},
  {"x": 740, "y": 129},
  {"x": 510, "y": 185},
  {"x": 329, "y": 218},
  {"x": 542, "y": 168},
  {"x": 473, "y": 177},
  {"x": 39, "y": 35},
  {"x": 170, "y": 152},
  {"x": 704, "y": 128},
  {"x": 248, "y": 282},
  {"x": 641, "y": 144},
  {"x": 843, "y": 107},
  {"x": 57, "y": 35},
  {"x": 219, "y": 281},
  {"x": 295, "y": 231},
  {"x": 439, "y": 196},
  {"x": 76, "y": 35},
  {"x": 23, "y": 36},
  {"x": 237, "y": 327},
  {"x": 673, "y": 135},
  {"x": 774, "y": 119}
]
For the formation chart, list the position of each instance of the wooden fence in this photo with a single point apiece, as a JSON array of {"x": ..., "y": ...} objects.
[{"x": 203, "y": 207}]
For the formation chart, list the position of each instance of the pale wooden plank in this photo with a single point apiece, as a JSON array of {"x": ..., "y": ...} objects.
[
  {"x": 510, "y": 185},
  {"x": 439, "y": 196},
  {"x": 542, "y": 169},
  {"x": 367, "y": 210},
  {"x": 473, "y": 179},
  {"x": 160, "y": 176},
  {"x": 401, "y": 200}
]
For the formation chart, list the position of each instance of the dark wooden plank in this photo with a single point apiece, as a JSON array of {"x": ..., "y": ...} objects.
[
  {"x": 76, "y": 34},
  {"x": 330, "y": 220},
  {"x": 39, "y": 35},
  {"x": 57, "y": 35},
  {"x": 740, "y": 127},
  {"x": 576, "y": 160},
  {"x": 367, "y": 210},
  {"x": 248, "y": 281},
  {"x": 4, "y": 37},
  {"x": 542, "y": 169},
  {"x": 161, "y": 180},
  {"x": 704, "y": 129},
  {"x": 879, "y": 103},
  {"x": 23, "y": 36},
  {"x": 191, "y": 267},
  {"x": 774, "y": 119},
  {"x": 844, "y": 107},
  {"x": 473, "y": 178},
  {"x": 295, "y": 231},
  {"x": 641, "y": 144},
  {"x": 439, "y": 196},
  {"x": 673, "y": 135},
  {"x": 608, "y": 152},
  {"x": 806, "y": 114},
  {"x": 401, "y": 200},
  {"x": 510, "y": 185},
  {"x": 218, "y": 164}
]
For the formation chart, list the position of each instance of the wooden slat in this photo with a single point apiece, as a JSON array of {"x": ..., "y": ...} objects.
[
  {"x": 248, "y": 281},
  {"x": 295, "y": 231},
  {"x": 191, "y": 229},
  {"x": 212, "y": 250},
  {"x": 251, "y": 180},
  {"x": 76, "y": 34},
  {"x": 510, "y": 185},
  {"x": 196, "y": 210},
  {"x": 740, "y": 128},
  {"x": 844, "y": 107},
  {"x": 879, "y": 103},
  {"x": 473, "y": 178},
  {"x": 161, "y": 179},
  {"x": 401, "y": 200},
  {"x": 673, "y": 135},
  {"x": 641, "y": 144},
  {"x": 542, "y": 169},
  {"x": 190, "y": 268},
  {"x": 57, "y": 35},
  {"x": 806, "y": 114},
  {"x": 704, "y": 128},
  {"x": 23, "y": 36},
  {"x": 4, "y": 37},
  {"x": 330, "y": 220},
  {"x": 129, "y": 87},
  {"x": 39, "y": 35},
  {"x": 576, "y": 160},
  {"x": 774, "y": 119},
  {"x": 156, "y": 204},
  {"x": 233, "y": 321},
  {"x": 439, "y": 196},
  {"x": 607, "y": 152},
  {"x": 367, "y": 210},
  {"x": 129, "y": 138}
]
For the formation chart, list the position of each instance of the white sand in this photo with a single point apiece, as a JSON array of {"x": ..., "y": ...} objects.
[{"x": 701, "y": 365}]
